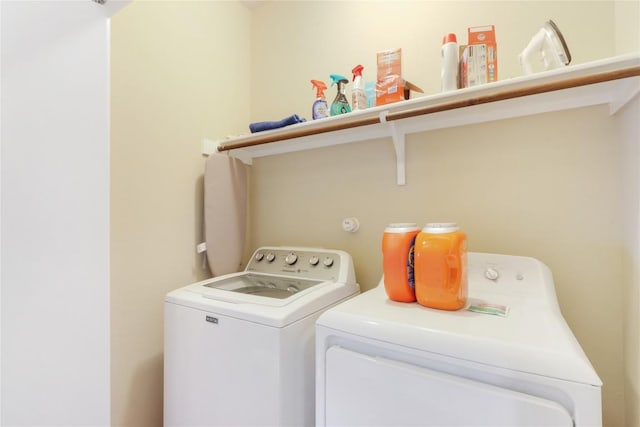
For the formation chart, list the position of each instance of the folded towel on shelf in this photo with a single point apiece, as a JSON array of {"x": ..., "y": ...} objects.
[{"x": 262, "y": 126}]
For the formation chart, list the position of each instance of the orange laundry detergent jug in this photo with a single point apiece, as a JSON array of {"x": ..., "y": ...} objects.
[
  {"x": 441, "y": 266},
  {"x": 397, "y": 261}
]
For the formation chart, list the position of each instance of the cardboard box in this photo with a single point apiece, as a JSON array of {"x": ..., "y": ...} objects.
[
  {"x": 389, "y": 63},
  {"x": 394, "y": 90},
  {"x": 389, "y": 82},
  {"x": 479, "y": 59},
  {"x": 410, "y": 87},
  {"x": 390, "y": 86}
]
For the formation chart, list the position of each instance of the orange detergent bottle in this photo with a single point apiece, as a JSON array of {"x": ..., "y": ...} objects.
[
  {"x": 397, "y": 261},
  {"x": 441, "y": 266}
]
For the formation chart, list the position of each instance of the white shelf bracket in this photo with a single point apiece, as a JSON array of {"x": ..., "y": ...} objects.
[
  {"x": 398, "y": 138},
  {"x": 624, "y": 91}
]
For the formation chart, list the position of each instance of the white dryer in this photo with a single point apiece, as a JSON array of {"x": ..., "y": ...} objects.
[
  {"x": 239, "y": 348},
  {"x": 385, "y": 363}
]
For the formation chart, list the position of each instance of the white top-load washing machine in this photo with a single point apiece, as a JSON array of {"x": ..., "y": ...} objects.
[
  {"x": 384, "y": 363},
  {"x": 239, "y": 348}
]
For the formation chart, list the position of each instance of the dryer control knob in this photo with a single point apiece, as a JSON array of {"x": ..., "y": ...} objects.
[
  {"x": 314, "y": 260},
  {"x": 328, "y": 262},
  {"x": 491, "y": 273},
  {"x": 270, "y": 257},
  {"x": 291, "y": 258}
]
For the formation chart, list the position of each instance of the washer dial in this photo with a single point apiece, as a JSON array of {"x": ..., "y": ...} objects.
[
  {"x": 291, "y": 258},
  {"x": 327, "y": 262}
]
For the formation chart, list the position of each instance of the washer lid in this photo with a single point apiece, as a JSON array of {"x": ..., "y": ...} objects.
[
  {"x": 262, "y": 298},
  {"x": 263, "y": 285},
  {"x": 532, "y": 338}
]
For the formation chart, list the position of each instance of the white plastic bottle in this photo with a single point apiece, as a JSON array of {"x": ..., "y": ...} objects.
[{"x": 449, "y": 71}]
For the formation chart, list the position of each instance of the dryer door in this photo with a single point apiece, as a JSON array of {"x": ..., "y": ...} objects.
[{"x": 366, "y": 390}]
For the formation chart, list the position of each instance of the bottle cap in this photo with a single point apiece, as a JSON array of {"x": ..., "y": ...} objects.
[
  {"x": 440, "y": 227},
  {"x": 449, "y": 38},
  {"x": 401, "y": 227}
]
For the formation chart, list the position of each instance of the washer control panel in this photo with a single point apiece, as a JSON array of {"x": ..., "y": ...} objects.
[{"x": 310, "y": 263}]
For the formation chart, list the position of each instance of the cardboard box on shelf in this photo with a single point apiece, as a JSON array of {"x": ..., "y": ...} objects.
[
  {"x": 390, "y": 86},
  {"x": 410, "y": 87},
  {"x": 394, "y": 89},
  {"x": 389, "y": 83},
  {"x": 479, "y": 59},
  {"x": 389, "y": 63}
]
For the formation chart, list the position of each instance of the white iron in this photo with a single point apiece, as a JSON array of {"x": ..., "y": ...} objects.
[{"x": 547, "y": 50}]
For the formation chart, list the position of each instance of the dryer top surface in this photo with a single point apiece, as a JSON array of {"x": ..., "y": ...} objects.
[{"x": 533, "y": 337}]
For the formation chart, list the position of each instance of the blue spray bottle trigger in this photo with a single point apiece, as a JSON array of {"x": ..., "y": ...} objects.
[{"x": 337, "y": 78}]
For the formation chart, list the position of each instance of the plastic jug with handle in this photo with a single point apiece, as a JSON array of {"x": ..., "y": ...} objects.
[
  {"x": 397, "y": 261},
  {"x": 441, "y": 266}
]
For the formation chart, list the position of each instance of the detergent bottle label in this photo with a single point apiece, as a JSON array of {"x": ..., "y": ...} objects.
[
  {"x": 411, "y": 280},
  {"x": 320, "y": 109}
]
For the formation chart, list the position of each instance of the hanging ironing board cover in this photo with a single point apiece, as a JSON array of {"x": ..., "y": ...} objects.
[{"x": 225, "y": 212}]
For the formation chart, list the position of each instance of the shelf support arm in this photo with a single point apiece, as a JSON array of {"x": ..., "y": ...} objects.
[
  {"x": 624, "y": 93},
  {"x": 398, "y": 138}
]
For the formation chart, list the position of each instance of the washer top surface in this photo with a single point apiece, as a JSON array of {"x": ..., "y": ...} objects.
[
  {"x": 279, "y": 286},
  {"x": 263, "y": 285},
  {"x": 533, "y": 337}
]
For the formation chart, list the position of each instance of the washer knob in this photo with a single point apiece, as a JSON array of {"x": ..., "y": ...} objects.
[
  {"x": 328, "y": 262},
  {"x": 259, "y": 256},
  {"x": 291, "y": 258},
  {"x": 314, "y": 260},
  {"x": 491, "y": 273},
  {"x": 270, "y": 257}
]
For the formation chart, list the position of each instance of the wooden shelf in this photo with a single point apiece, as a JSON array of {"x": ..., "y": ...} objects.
[{"x": 613, "y": 81}]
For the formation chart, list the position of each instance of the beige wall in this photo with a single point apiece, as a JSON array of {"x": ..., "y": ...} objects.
[
  {"x": 179, "y": 74},
  {"x": 627, "y": 125},
  {"x": 318, "y": 38},
  {"x": 627, "y": 19},
  {"x": 547, "y": 186},
  {"x": 627, "y": 26}
]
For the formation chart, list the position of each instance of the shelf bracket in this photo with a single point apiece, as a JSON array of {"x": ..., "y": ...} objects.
[
  {"x": 624, "y": 91},
  {"x": 398, "y": 138}
]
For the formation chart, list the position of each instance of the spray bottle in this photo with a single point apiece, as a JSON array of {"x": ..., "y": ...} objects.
[
  {"x": 320, "y": 109},
  {"x": 340, "y": 105},
  {"x": 358, "y": 97}
]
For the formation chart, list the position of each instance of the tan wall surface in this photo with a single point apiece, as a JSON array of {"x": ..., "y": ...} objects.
[
  {"x": 317, "y": 38},
  {"x": 627, "y": 125},
  {"x": 546, "y": 186},
  {"x": 179, "y": 72},
  {"x": 627, "y": 26}
]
